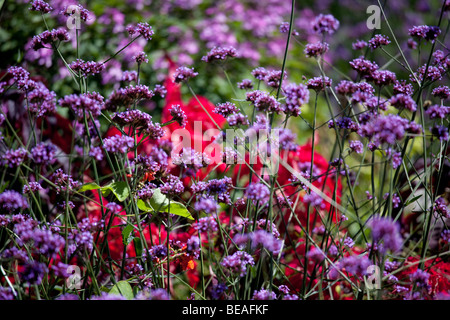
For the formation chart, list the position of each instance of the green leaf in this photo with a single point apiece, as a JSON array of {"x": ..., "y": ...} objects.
[
  {"x": 122, "y": 288},
  {"x": 127, "y": 234},
  {"x": 178, "y": 209},
  {"x": 89, "y": 186},
  {"x": 138, "y": 246},
  {"x": 119, "y": 188},
  {"x": 158, "y": 200},
  {"x": 144, "y": 206}
]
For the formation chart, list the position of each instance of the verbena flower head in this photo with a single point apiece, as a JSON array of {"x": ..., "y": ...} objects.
[
  {"x": 14, "y": 157},
  {"x": 12, "y": 201},
  {"x": 220, "y": 54},
  {"x": 43, "y": 153},
  {"x": 363, "y": 67},
  {"x": 296, "y": 96},
  {"x": 257, "y": 192},
  {"x": 41, "y": 101},
  {"x": 386, "y": 231},
  {"x": 237, "y": 263},
  {"x": 237, "y": 119},
  {"x": 429, "y": 33},
  {"x": 325, "y": 24},
  {"x": 260, "y": 73},
  {"x": 316, "y": 49},
  {"x": 86, "y": 68},
  {"x": 118, "y": 144},
  {"x": 402, "y": 101},
  {"x": 173, "y": 186},
  {"x": 142, "y": 29},
  {"x": 183, "y": 74},
  {"x": 264, "y": 294},
  {"x": 226, "y": 109},
  {"x": 47, "y": 38},
  {"x": 273, "y": 78},
  {"x": 441, "y": 92},
  {"x": 140, "y": 57},
  {"x": 41, "y": 6},
  {"x": 319, "y": 83},
  {"x": 378, "y": 41},
  {"x": 178, "y": 115},
  {"x": 245, "y": 84},
  {"x": 266, "y": 240}
]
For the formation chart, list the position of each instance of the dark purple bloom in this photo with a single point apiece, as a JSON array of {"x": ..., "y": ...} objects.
[
  {"x": 118, "y": 144},
  {"x": 266, "y": 240},
  {"x": 33, "y": 272},
  {"x": 43, "y": 153},
  {"x": 257, "y": 192},
  {"x": 206, "y": 224},
  {"x": 265, "y": 102},
  {"x": 260, "y": 73},
  {"x": 440, "y": 132},
  {"x": 173, "y": 186},
  {"x": 237, "y": 119},
  {"x": 403, "y": 87},
  {"x": 442, "y": 92},
  {"x": 437, "y": 111},
  {"x": 363, "y": 67},
  {"x": 208, "y": 205},
  {"x": 264, "y": 294},
  {"x": 14, "y": 157},
  {"x": 140, "y": 57},
  {"x": 357, "y": 146},
  {"x": 429, "y": 33},
  {"x": 237, "y": 262},
  {"x": 359, "y": 45},
  {"x": 214, "y": 187},
  {"x": 386, "y": 231},
  {"x": 11, "y": 201},
  {"x": 86, "y": 68},
  {"x": 402, "y": 101},
  {"x": 49, "y": 37}
]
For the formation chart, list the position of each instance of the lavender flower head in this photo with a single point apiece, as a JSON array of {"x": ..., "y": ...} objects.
[
  {"x": 296, "y": 96},
  {"x": 118, "y": 144},
  {"x": 183, "y": 74},
  {"x": 387, "y": 231}
]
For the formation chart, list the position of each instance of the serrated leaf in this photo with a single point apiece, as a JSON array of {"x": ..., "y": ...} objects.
[{"x": 122, "y": 288}]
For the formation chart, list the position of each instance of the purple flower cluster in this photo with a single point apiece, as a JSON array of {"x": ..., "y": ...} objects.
[
  {"x": 378, "y": 41},
  {"x": 118, "y": 144},
  {"x": 257, "y": 192},
  {"x": 86, "y": 68},
  {"x": 178, "y": 115},
  {"x": 318, "y": 83},
  {"x": 225, "y": 109},
  {"x": 49, "y": 37},
  {"x": 220, "y": 54},
  {"x": 206, "y": 224},
  {"x": 173, "y": 186},
  {"x": 183, "y": 74},
  {"x": 11, "y": 201},
  {"x": 316, "y": 49},
  {"x": 429, "y": 33},
  {"x": 386, "y": 231},
  {"x": 41, "y": 6},
  {"x": 325, "y": 24},
  {"x": 214, "y": 187},
  {"x": 237, "y": 262},
  {"x": 14, "y": 157},
  {"x": 296, "y": 96},
  {"x": 142, "y": 29},
  {"x": 43, "y": 153}
]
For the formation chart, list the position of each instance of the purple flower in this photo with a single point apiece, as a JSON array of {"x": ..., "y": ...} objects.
[
  {"x": 143, "y": 29},
  {"x": 43, "y": 153},
  {"x": 359, "y": 45},
  {"x": 273, "y": 78},
  {"x": 357, "y": 146},
  {"x": 208, "y": 205},
  {"x": 178, "y": 115},
  {"x": 237, "y": 119},
  {"x": 79, "y": 9},
  {"x": 316, "y": 255},
  {"x": 214, "y": 187},
  {"x": 363, "y": 67},
  {"x": 173, "y": 186},
  {"x": 355, "y": 265},
  {"x": 264, "y": 294},
  {"x": 183, "y": 74},
  {"x": 296, "y": 96},
  {"x": 140, "y": 57},
  {"x": 118, "y": 144},
  {"x": 382, "y": 77},
  {"x": 39, "y": 5},
  {"x": 429, "y": 33},
  {"x": 325, "y": 24},
  {"x": 257, "y": 192},
  {"x": 206, "y": 224},
  {"x": 420, "y": 278},
  {"x": 11, "y": 201},
  {"x": 313, "y": 199},
  {"x": 226, "y": 109},
  {"x": 387, "y": 231},
  {"x": 41, "y": 101},
  {"x": 442, "y": 92},
  {"x": 220, "y": 53},
  {"x": 319, "y": 83},
  {"x": 96, "y": 153},
  {"x": 378, "y": 40},
  {"x": 265, "y": 102},
  {"x": 191, "y": 160},
  {"x": 316, "y": 49},
  {"x": 160, "y": 90},
  {"x": 32, "y": 187},
  {"x": 14, "y": 157},
  {"x": 260, "y": 73},
  {"x": 86, "y": 68},
  {"x": 437, "y": 111},
  {"x": 440, "y": 132},
  {"x": 127, "y": 96},
  {"x": 245, "y": 84},
  {"x": 48, "y": 37},
  {"x": 237, "y": 262},
  {"x": 33, "y": 272},
  {"x": 266, "y": 240}
]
